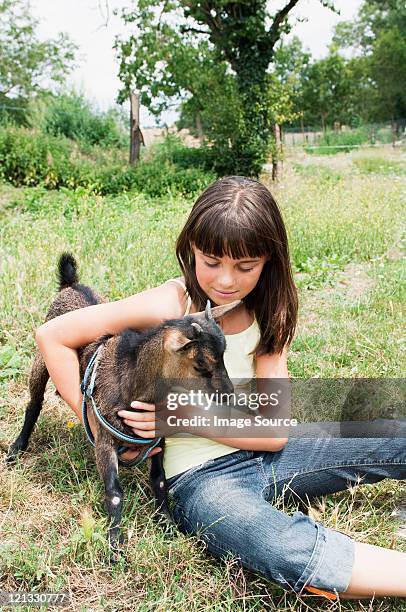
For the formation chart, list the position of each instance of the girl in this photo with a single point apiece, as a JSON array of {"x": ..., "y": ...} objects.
[{"x": 234, "y": 246}]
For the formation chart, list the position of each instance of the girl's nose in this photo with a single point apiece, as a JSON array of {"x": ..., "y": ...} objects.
[{"x": 225, "y": 282}]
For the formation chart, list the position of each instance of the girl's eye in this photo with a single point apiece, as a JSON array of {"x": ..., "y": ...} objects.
[{"x": 213, "y": 265}]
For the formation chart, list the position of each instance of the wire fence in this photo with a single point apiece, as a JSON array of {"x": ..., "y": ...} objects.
[
  {"x": 338, "y": 138},
  {"x": 342, "y": 137}
]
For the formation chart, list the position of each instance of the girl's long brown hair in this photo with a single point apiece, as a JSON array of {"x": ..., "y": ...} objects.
[{"x": 238, "y": 217}]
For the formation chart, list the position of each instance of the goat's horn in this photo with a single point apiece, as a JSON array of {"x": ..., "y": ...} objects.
[
  {"x": 197, "y": 327},
  {"x": 207, "y": 312},
  {"x": 217, "y": 311}
]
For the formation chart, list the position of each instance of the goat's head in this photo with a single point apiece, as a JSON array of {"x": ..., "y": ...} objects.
[{"x": 195, "y": 347}]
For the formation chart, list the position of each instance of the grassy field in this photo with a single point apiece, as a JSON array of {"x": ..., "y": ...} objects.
[{"x": 344, "y": 219}]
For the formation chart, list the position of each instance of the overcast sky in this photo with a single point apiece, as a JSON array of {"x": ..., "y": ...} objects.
[{"x": 96, "y": 76}]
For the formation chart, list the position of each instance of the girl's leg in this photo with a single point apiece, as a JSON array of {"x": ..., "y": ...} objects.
[
  {"x": 222, "y": 503},
  {"x": 310, "y": 467},
  {"x": 377, "y": 572}
]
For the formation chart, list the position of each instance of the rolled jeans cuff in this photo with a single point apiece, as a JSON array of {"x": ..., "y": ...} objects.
[{"x": 331, "y": 564}]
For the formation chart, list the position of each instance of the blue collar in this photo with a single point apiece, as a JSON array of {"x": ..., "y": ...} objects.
[{"x": 87, "y": 391}]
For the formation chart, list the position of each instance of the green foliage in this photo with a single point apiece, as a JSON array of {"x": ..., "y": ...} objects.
[
  {"x": 377, "y": 39},
  {"x": 218, "y": 60},
  {"x": 71, "y": 115},
  {"x": 367, "y": 84},
  {"x": 326, "y": 85},
  {"x": 11, "y": 362},
  {"x": 315, "y": 272},
  {"x": 25, "y": 61},
  {"x": 14, "y": 111},
  {"x": 29, "y": 158},
  {"x": 387, "y": 69}
]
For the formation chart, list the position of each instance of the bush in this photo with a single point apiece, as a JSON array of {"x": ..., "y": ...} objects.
[
  {"x": 72, "y": 116},
  {"x": 29, "y": 158},
  {"x": 14, "y": 111},
  {"x": 171, "y": 167}
]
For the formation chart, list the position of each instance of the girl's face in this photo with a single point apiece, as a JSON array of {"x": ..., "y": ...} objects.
[{"x": 225, "y": 280}]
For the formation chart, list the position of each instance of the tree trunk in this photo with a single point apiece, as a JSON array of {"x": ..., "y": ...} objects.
[
  {"x": 199, "y": 128},
  {"x": 276, "y": 155},
  {"x": 395, "y": 131},
  {"x": 136, "y": 137}
]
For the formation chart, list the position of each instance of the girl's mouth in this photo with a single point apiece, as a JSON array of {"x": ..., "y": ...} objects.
[{"x": 225, "y": 293}]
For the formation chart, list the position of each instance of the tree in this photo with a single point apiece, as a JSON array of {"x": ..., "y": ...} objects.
[
  {"x": 291, "y": 63},
  {"x": 225, "y": 42},
  {"x": 326, "y": 87},
  {"x": 377, "y": 39},
  {"x": 28, "y": 65},
  {"x": 387, "y": 70}
]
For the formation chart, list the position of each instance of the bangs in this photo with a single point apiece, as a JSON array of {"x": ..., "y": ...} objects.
[{"x": 224, "y": 234}]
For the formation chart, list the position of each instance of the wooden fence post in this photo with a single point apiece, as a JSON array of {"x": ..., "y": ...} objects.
[
  {"x": 136, "y": 137},
  {"x": 276, "y": 163}
]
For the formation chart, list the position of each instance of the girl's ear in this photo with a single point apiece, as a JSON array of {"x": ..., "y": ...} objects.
[{"x": 217, "y": 311}]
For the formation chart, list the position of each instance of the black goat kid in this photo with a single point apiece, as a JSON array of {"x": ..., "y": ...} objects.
[{"x": 129, "y": 364}]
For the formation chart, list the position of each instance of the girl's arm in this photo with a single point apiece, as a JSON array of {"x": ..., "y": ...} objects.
[
  {"x": 273, "y": 366},
  {"x": 59, "y": 338}
]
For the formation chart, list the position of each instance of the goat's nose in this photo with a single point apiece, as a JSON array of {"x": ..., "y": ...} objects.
[
  {"x": 226, "y": 384},
  {"x": 230, "y": 386}
]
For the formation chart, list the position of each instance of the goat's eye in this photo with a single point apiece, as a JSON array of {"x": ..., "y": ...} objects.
[{"x": 203, "y": 371}]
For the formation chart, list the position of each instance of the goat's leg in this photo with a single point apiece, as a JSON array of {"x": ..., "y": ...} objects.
[
  {"x": 159, "y": 486},
  {"x": 107, "y": 465},
  {"x": 38, "y": 381}
]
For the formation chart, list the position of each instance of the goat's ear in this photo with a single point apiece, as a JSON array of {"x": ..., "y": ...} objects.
[
  {"x": 197, "y": 329},
  {"x": 217, "y": 311},
  {"x": 175, "y": 341}
]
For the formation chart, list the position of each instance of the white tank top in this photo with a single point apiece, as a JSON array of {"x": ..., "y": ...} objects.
[{"x": 184, "y": 452}]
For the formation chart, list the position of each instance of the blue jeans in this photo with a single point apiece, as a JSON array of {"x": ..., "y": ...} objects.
[{"x": 227, "y": 502}]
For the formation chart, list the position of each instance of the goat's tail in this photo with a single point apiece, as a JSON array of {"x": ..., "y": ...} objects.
[{"x": 67, "y": 271}]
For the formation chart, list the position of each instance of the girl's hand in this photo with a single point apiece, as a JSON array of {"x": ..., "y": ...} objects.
[
  {"x": 142, "y": 424},
  {"x": 133, "y": 452}
]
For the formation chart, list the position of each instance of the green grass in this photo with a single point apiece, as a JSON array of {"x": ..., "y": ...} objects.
[
  {"x": 332, "y": 142},
  {"x": 380, "y": 165},
  {"x": 346, "y": 248}
]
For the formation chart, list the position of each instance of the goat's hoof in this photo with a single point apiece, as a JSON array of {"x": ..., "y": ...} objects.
[
  {"x": 116, "y": 541},
  {"x": 15, "y": 449},
  {"x": 118, "y": 557},
  {"x": 12, "y": 455}
]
